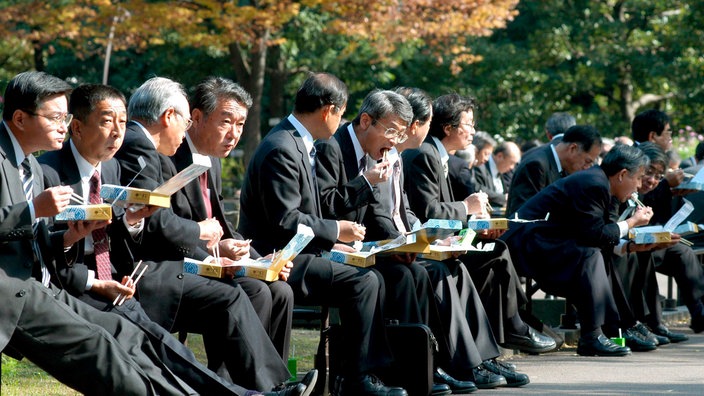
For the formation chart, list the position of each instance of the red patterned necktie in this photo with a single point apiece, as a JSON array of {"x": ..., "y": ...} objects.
[
  {"x": 203, "y": 178},
  {"x": 100, "y": 237}
]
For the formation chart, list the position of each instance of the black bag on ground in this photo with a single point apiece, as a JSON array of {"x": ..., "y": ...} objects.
[{"x": 413, "y": 346}]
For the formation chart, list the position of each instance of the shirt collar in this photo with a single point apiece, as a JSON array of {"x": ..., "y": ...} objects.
[
  {"x": 146, "y": 133},
  {"x": 19, "y": 153},
  {"x": 557, "y": 159},
  {"x": 192, "y": 146},
  {"x": 492, "y": 167},
  {"x": 358, "y": 151},
  {"x": 85, "y": 169},
  {"x": 305, "y": 135},
  {"x": 444, "y": 156}
]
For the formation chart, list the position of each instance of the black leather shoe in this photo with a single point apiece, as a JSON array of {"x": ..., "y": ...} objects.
[
  {"x": 697, "y": 324},
  {"x": 291, "y": 390},
  {"x": 303, "y": 388},
  {"x": 457, "y": 386},
  {"x": 649, "y": 335},
  {"x": 512, "y": 378},
  {"x": 440, "y": 390},
  {"x": 370, "y": 385},
  {"x": 661, "y": 330},
  {"x": 533, "y": 342},
  {"x": 638, "y": 342},
  {"x": 485, "y": 379},
  {"x": 600, "y": 346}
]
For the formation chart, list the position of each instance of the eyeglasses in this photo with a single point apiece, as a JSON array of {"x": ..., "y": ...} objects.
[
  {"x": 189, "y": 122},
  {"x": 58, "y": 119},
  {"x": 651, "y": 173},
  {"x": 469, "y": 125},
  {"x": 391, "y": 133}
]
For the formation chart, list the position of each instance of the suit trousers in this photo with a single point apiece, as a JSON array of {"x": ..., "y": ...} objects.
[
  {"x": 273, "y": 303},
  {"x": 358, "y": 293},
  {"x": 96, "y": 353},
  {"x": 680, "y": 262},
  {"x": 498, "y": 286},
  {"x": 408, "y": 291},
  {"x": 463, "y": 330},
  {"x": 176, "y": 356},
  {"x": 232, "y": 332}
]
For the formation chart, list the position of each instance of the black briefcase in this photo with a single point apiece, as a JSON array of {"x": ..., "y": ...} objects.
[{"x": 413, "y": 347}]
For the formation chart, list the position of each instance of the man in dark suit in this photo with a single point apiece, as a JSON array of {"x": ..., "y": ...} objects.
[
  {"x": 350, "y": 167},
  {"x": 97, "y": 131},
  {"x": 222, "y": 313},
  {"x": 564, "y": 253},
  {"x": 579, "y": 148},
  {"x": 219, "y": 110},
  {"x": 279, "y": 192},
  {"x": 429, "y": 194},
  {"x": 60, "y": 334},
  {"x": 467, "y": 348},
  {"x": 489, "y": 177}
]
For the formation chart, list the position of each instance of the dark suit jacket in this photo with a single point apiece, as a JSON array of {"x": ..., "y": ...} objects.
[
  {"x": 428, "y": 190},
  {"x": 580, "y": 206},
  {"x": 482, "y": 176},
  {"x": 188, "y": 201},
  {"x": 277, "y": 195},
  {"x": 175, "y": 236},
  {"x": 167, "y": 238},
  {"x": 343, "y": 194},
  {"x": 16, "y": 255},
  {"x": 536, "y": 171},
  {"x": 462, "y": 180},
  {"x": 60, "y": 168}
]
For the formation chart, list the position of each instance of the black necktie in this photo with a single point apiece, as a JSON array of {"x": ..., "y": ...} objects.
[{"x": 316, "y": 190}]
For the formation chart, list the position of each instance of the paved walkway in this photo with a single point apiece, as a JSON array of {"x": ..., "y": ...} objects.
[{"x": 675, "y": 369}]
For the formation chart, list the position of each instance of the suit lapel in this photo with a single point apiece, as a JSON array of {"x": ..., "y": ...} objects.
[
  {"x": 182, "y": 159},
  {"x": 9, "y": 167},
  {"x": 305, "y": 156},
  {"x": 445, "y": 190}
]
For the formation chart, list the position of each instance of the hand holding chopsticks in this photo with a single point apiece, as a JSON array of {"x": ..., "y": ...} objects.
[{"x": 120, "y": 299}]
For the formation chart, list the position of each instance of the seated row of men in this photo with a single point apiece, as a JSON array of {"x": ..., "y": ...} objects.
[{"x": 348, "y": 183}]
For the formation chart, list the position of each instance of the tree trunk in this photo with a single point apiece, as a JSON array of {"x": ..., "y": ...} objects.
[
  {"x": 250, "y": 74},
  {"x": 38, "y": 56},
  {"x": 277, "y": 79}
]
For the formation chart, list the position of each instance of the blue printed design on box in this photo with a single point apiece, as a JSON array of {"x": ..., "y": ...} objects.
[
  {"x": 71, "y": 213},
  {"x": 190, "y": 267}
]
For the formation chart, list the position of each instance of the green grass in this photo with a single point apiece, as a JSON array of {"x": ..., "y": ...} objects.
[{"x": 21, "y": 378}]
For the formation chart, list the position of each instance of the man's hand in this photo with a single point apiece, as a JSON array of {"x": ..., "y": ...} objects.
[
  {"x": 477, "y": 203},
  {"x": 211, "y": 231},
  {"x": 52, "y": 201},
  {"x": 350, "y": 231},
  {"x": 78, "y": 230},
  {"x": 229, "y": 269},
  {"x": 641, "y": 216},
  {"x": 380, "y": 172},
  {"x": 343, "y": 248},
  {"x": 111, "y": 289},
  {"x": 674, "y": 177},
  {"x": 234, "y": 249},
  {"x": 286, "y": 271},
  {"x": 135, "y": 217},
  {"x": 490, "y": 234}
]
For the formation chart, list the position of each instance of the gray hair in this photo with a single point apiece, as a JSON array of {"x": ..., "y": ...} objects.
[
  {"x": 154, "y": 97},
  {"x": 379, "y": 104},
  {"x": 482, "y": 139},
  {"x": 559, "y": 123}
]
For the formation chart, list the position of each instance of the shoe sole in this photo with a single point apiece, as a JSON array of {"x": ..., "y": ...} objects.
[
  {"x": 492, "y": 385},
  {"x": 529, "y": 350},
  {"x": 517, "y": 384},
  {"x": 582, "y": 353}
]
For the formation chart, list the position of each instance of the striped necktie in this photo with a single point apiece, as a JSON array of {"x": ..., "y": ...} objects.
[{"x": 28, "y": 186}]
